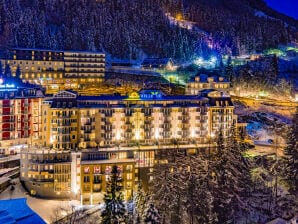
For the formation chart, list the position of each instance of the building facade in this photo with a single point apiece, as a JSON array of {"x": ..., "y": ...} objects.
[
  {"x": 88, "y": 135},
  {"x": 20, "y": 113},
  {"x": 56, "y": 70},
  {"x": 46, "y": 173},
  {"x": 82, "y": 175},
  {"x": 96, "y": 167},
  {"x": 71, "y": 121},
  {"x": 203, "y": 82}
]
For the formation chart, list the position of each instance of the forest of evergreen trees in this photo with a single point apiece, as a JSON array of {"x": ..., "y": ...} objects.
[{"x": 136, "y": 28}]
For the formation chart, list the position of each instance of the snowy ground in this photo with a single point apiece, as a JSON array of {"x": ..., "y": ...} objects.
[{"x": 43, "y": 207}]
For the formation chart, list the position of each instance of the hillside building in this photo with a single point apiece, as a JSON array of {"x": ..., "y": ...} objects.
[
  {"x": 56, "y": 70},
  {"x": 157, "y": 63},
  {"x": 203, "y": 82}
]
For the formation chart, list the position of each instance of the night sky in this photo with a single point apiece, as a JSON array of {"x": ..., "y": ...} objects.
[{"x": 288, "y": 7}]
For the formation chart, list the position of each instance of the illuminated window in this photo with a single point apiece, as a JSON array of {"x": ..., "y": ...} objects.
[{"x": 129, "y": 176}]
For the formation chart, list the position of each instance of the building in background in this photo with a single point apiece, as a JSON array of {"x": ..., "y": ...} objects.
[
  {"x": 203, "y": 82},
  {"x": 55, "y": 70},
  {"x": 20, "y": 113},
  {"x": 158, "y": 63}
]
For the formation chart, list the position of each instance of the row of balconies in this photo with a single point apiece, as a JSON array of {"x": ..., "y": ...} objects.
[
  {"x": 77, "y": 56},
  {"x": 99, "y": 64}
]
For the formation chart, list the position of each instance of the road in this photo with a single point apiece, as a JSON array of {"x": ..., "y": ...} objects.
[
  {"x": 267, "y": 101},
  {"x": 266, "y": 149}
]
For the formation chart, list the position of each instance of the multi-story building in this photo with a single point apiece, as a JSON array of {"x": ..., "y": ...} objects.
[
  {"x": 88, "y": 135},
  {"x": 96, "y": 167},
  {"x": 46, "y": 173},
  {"x": 203, "y": 82},
  {"x": 20, "y": 113},
  {"x": 56, "y": 70},
  {"x": 71, "y": 121},
  {"x": 81, "y": 175}
]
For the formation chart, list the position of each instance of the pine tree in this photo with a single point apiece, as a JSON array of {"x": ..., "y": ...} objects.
[
  {"x": 152, "y": 216},
  {"x": 114, "y": 211},
  {"x": 291, "y": 157},
  {"x": 140, "y": 201},
  {"x": 229, "y": 72},
  {"x": 1, "y": 70},
  {"x": 18, "y": 72},
  {"x": 7, "y": 71},
  {"x": 199, "y": 201},
  {"x": 168, "y": 182},
  {"x": 232, "y": 178}
]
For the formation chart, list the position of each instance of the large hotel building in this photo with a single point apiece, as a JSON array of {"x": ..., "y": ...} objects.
[
  {"x": 56, "y": 70},
  {"x": 87, "y": 135},
  {"x": 71, "y": 121}
]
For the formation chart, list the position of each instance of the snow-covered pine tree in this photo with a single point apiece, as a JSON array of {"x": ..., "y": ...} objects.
[
  {"x": 220, "y": 188},
  {"x": 232, "y": 178},
  {"x": 1, "y": 69},
  {"x": 140, "y": 201},
  {"x": 199, "y": 201},
  {"x": 168, "y": 182},
  {"x": 291, "y": 157},
  {"x": 114, "y": 210},
  {"x": 152, "y": 216},
  {"x": 229, "y": 72},
  {"x": 7, "y": 71},
  {"x": 18, "y": 72}
]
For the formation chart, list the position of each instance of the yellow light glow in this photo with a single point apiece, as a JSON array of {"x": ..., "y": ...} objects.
[
  {"x": 137, "y": 135},
  {"x": 156, "y": 135},
  {"x": 179, "y": 16},
  {"x": 75, "y": 190},
  {"x": 193, "y": 133},
  {"x": 118, "y": 136}
]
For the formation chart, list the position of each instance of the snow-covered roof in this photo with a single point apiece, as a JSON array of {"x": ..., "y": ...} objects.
[
  {"x": 17, "y": 211},
  {"x": 156, "y": 61}
]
